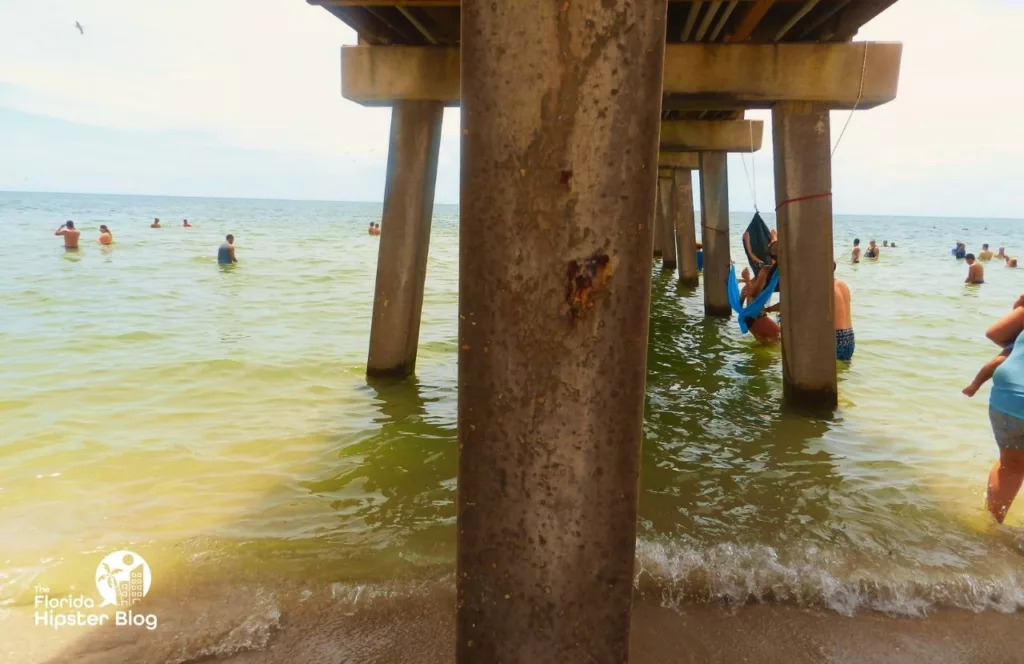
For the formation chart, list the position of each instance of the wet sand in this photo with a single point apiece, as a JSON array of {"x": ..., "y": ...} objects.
[{"x": 414, "y": 624}]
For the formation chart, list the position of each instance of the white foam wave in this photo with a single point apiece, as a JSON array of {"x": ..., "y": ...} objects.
[{"x": 811, "y": 577}]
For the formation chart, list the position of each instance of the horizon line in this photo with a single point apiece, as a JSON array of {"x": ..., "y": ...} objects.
[{"x": 330, "y": 200}]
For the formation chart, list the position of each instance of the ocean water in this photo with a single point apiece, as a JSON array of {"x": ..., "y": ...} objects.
[{"x": 219, "y": 423}]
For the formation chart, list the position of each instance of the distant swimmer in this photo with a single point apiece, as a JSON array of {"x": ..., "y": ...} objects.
[
  {"x": 975, "y": 271},
  {"x": 70, "y": 233},
  {"x": 185, "y": 224},
  {"x": 1002, "y": 253},
  {"x": 1011, "y": 261},
  {"x": 106, "y": 237},
  {"x": 374, "y": 228},
  {"x": 873, "y": 250},
  {"x": 892, "y": 244},
  {"x": 985, "y": 254},
  {"x": 226, "y": 252},
  {"x": 843, "y": 317},
  {"x": 960, "y": 252},
  {"x": 369, "y": 231},
  {"x": 855, "y": 254},
  {"x": 156, "y": 224},
  {"x": 885, "y": 243}
]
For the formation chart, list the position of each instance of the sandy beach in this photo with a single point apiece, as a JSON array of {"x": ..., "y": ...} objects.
[{"x": 415, "y": 625}]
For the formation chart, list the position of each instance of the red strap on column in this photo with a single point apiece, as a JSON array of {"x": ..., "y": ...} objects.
[{"x": 801, "y": 198}]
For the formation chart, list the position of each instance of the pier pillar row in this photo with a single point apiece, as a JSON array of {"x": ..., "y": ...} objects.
[
  {"x": 560, "y": 110},
  {"x": 686, "y": 233},
  {"x": 405, "y": 237},
  {"x": 714, "y": 203},
  {"x": 666, "y": 220},
  {"x": 803, "y": 195}
]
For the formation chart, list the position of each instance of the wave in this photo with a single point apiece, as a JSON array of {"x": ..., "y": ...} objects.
[{"x": 813, "y": 578}]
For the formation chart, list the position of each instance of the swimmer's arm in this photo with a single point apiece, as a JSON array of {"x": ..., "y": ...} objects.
[
  {"x": 61, "y": 231},
  {"x": 750, "y": 251},
  {"x": 231, "y": 252},
  {"x": 1006, "y": 330}
]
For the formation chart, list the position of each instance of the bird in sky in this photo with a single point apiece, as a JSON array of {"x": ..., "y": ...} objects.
[{"x": 78, "y": 25}]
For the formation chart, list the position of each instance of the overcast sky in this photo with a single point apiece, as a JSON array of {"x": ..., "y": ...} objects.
[{"x": 242, "y": 98}]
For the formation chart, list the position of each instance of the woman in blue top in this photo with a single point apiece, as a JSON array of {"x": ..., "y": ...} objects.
[{"x": 1006, "y": 411}]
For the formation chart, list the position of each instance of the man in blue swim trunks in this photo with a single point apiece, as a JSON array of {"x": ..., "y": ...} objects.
[
  {"x": 226, "y": 251},
  {"x": 843, "y": 318}
]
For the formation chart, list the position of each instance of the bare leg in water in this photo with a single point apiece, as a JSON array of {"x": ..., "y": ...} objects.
[{"x": 1004, "y": 482}]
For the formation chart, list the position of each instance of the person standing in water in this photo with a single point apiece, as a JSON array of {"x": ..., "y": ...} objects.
[
  {"x": 185, "y": 224},
  {"x": 873, "y": 250},
  {"x": 156, "y": 223},
  {"x": 975, "y": 272},
  {"x": 855, "y": 254},
  {"x": 1002, "y": 253},
  {"x": 1006, "y": 414},
  {"x": 226, "y": 251},
  {"x": 985, "y": 254},
  {"x": 842, "y": 316},
  {"x": 106, "y": 237},
  {"x": 70, "y": 233}
]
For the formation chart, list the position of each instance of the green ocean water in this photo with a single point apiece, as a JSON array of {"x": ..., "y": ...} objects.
[{"x": 218, "y": 421}]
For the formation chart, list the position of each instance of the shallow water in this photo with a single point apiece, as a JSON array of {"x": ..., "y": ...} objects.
[{"x": 218, "y": 422}]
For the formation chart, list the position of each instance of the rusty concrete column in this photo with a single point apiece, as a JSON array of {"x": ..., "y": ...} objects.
[
  {"x": 803, "y": 186},
  {"x": 405, "y": 237},
  {"x": 561, "y": 105},
  {"x": 714, "y": 203},
  {"x": 667, "y": 225},
  {"x": 657, "y": 252},
  {"x": 686, "y": 233}
]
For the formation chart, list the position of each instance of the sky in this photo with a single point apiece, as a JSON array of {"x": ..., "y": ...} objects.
[{"x": 241, "y": 98}]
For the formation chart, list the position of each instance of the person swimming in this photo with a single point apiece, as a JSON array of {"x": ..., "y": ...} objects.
[
  {"x": 960, "y": 252},
  {"x": 985, "y": 254},
  {"x": 226, "y": 251},
  {"x": 106, "y": 237},
  {"x": 873, "y": 250},
  {"x": 855, "y": 254},
  {"x": 70, "y": 234},
  {"x": 185, "y": 224},
  {"x": 156, "y": 223},
  {"x": 975, "y": 271}
]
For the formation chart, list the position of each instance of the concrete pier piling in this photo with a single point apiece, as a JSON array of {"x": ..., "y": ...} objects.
[
  {"x": 803, "y": 186},
  {"x": 714, "y": 203},
  {"x": 667, "y": 223},
  {"x": 405, "y": 237},
  {"x": 560, "y": 106},
  {"x": 686, "y": 233},
  {"x": 656, "y": 248}
]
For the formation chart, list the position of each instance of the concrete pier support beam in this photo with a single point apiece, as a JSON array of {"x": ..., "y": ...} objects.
[
  {"x": 714, "y": 203},
  {"x": 667, "y": 227},
  {"x": 803, "y": 186},
  {"x": 405, "y": 237},
  {"x": 561, "y": 105},
  {"x": 656, "y": 223},
  {"x": 686, "y": 233}
]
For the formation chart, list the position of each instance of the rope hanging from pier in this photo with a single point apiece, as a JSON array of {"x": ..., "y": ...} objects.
[
  {"x": 753, "y": 168},
  {"x": 797, "y": 199},
  {"x": 860, "y": 93}
]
